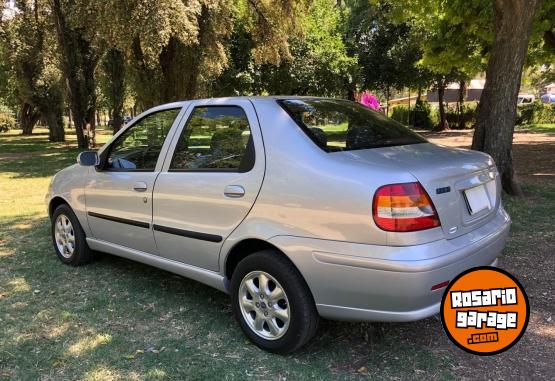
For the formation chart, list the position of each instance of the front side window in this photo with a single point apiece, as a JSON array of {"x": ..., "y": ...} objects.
[
  {"x": 139, "y": 146},
  {"x": 216, "y": 138},
  {"x": 337, "y": 125}
]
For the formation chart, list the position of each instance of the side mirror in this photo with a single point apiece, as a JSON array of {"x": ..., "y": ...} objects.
[{"x": 88, "y": 159}]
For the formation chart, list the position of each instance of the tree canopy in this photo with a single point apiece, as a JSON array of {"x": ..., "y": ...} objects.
[{"x": 82, "y": 55}]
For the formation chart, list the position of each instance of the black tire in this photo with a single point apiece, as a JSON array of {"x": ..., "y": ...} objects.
[
  {"x": 82, "y": 254},
  {"x": 304, "y": 317}
]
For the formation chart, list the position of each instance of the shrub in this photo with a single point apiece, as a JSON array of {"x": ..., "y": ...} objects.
[
  {"x": 400, "y": 114},
  {"x": 468, "y": 115},
  {"x": 535, "y": 113},
  {"x": 7, "y": 121},
  {"x": 421, "y": 117}
]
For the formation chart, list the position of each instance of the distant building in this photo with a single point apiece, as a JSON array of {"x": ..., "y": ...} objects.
[
  {"x": 473, "y": 92},
  {"x": 550, "y": 89}
]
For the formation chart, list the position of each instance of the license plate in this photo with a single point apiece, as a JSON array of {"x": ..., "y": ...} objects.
[{"x": 477, "y": 199}]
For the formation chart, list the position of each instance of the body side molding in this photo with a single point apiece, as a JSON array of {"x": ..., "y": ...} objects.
[
  {"x": 188, "y": 233},
  {"x": 139, "y": 224}
]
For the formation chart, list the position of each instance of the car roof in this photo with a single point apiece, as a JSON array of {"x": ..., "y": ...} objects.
[{"x": 251, "y": 98}]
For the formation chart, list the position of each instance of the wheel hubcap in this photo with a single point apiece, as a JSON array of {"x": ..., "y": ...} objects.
[
  {"x": 64, "y": 235},
  {"x": 264, "y": 305}
]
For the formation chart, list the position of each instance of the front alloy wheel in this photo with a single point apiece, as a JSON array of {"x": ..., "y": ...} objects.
[
  {"x": 64, "y": 236},
  {"x": 69, "y": 238}
]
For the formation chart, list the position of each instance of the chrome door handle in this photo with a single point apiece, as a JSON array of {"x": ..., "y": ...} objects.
[
  {"x": 234, "y": 191},
  {"x": 140, "y": 186}
]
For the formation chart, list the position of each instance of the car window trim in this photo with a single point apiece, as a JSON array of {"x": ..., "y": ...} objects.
[
  {"x": 249, "y": 149},
  {"x": 106, "y": 153}
]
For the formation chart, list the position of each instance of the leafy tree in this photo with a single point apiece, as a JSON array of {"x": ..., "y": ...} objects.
[
  {"x": 497, "y": 111},
  {"x": 387, "y": 49},
  {"x": 319, "y": 64},
  {"x": 176, "y": 49},
  {"x": 114, "y": 86},
  {"x": 452, "y": 38},
  {"x": 462, "y": 39},
  {"x": 36, "y": 80},
  {"x": 79, "y": 57}
]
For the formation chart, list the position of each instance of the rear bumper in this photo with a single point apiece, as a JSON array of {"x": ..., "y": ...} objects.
[{"x": 359, "y": 282}]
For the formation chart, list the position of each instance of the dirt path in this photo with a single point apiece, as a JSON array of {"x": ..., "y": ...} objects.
[{"x": 533, "y": 153}]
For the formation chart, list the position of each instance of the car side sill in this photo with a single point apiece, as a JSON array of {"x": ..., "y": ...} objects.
[{"x": 210, "y": 278}]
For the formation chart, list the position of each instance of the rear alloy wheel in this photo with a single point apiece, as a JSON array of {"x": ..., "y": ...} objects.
[
  {"x": 264, "y": 305},
  {"x": 272, "y": 302},
  {"x": 68, "y": 237}
]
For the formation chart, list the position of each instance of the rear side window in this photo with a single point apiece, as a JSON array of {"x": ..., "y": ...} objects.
[
  {"x": 338, "y": 125},
  {"x": 215, "y": 138}
]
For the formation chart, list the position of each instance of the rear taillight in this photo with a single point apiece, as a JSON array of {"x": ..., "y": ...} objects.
[{"x": 404, "y": 208}]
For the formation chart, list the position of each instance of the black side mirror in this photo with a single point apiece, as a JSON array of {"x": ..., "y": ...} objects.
[{"x": 88, "y": 159}]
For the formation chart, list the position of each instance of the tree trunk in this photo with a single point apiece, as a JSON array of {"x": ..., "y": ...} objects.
[
  {"x": 462, "y": 95},
  {"x": 78, "y": 65},
  {"x": 497, "y": 110},
  {"x": 443, "y": 125},
  {"x": 55, "y": 122},
  {"x": 28, "y": 118},
  {"x": 387, "y": 100},
  {"x": 114, "y": 67}
]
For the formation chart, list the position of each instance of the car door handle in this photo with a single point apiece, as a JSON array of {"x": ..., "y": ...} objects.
[
  {"x": 234, "y": 191},
  {"x": 140, "y": 186}
]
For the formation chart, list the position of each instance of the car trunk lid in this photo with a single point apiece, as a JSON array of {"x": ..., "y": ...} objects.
[{"x": 462, "y": 184}]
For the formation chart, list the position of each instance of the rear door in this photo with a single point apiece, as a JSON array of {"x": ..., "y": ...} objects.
[
  {"x": 119, "y": 192},
  {"x": 209, "y": 182}
]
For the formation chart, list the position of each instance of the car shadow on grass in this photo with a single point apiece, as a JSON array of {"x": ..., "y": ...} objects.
[{"x": 118, "y": 319}]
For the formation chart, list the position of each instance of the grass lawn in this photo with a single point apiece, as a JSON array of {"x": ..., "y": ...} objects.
[
  {"x": 545, "y": 127},
  {"x": 115, "y": 319}
]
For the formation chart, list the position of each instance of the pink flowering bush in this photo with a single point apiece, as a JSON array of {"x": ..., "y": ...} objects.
[{"x": 370, "y": 100}]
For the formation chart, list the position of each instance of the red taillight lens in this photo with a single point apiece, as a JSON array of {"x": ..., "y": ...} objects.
[{"x": 404, "y": 208}]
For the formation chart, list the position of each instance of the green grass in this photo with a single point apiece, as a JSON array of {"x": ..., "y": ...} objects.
[
  {"x": 115, "y": 319},
  {"x": 541, "y": 128}
]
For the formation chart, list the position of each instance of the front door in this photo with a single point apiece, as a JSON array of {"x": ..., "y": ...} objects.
[
  {"x": 119, "y": 193},
  {"x": 211, "y": 182}
]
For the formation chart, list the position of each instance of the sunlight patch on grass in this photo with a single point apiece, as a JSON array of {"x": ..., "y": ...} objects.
[
  {"x": 56, "y": 331},
  {"x": 17, "y": 285},
  {"x": 157, "y": 374},
  {"x": 88, "y": 344},
  {"x": 23, "y": 226},
  {"x": 103, "y": 373}
]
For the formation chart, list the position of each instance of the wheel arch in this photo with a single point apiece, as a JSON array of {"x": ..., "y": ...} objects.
[
  {"x": 54, "y": 203},
  {"x": 243, "y": 249}
]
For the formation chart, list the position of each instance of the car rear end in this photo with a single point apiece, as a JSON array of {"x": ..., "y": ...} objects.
[{"x": 445, "y": 217}]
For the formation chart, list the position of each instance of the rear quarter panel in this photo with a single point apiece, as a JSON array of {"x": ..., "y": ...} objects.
[{"x": 309, "y": 193}]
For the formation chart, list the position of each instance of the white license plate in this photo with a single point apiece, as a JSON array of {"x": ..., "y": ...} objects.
[{"x": 477, "y": 199}]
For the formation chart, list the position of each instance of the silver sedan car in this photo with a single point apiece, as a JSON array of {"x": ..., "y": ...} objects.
[{"x": 299, "y": 208}]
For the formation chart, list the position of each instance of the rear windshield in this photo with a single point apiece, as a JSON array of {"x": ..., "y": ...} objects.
[{"x": 338, "y": 125}]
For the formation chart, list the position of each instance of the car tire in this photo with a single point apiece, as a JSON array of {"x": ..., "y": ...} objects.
[
  {"x": 272, "y": 302},
  {"x": 69, "y": 238}
]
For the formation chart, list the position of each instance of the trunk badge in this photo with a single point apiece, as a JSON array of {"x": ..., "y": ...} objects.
[
  {"x": 443, "y": 190},
  {"x": 453, "y": 230}
]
